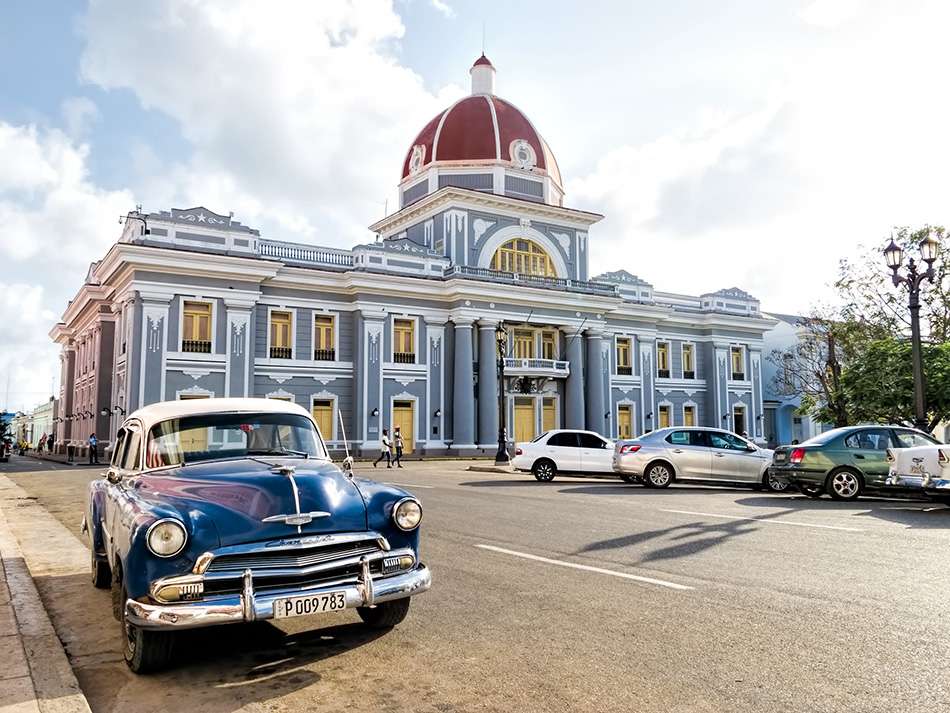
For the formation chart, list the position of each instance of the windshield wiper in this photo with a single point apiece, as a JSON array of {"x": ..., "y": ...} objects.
[{"x": 277, "y": 452}]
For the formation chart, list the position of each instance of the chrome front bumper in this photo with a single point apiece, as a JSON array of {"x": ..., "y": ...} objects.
[{"x": 251, "y": 606}]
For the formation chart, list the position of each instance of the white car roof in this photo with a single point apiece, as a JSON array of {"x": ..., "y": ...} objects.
[{"x": 156, "y": 413}]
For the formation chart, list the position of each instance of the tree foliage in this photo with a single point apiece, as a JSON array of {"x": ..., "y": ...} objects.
[{"x": 852, "y": 363}]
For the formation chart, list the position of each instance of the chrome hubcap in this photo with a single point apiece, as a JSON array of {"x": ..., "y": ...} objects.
[
  {"x": 776, "y": 485},
  {"x": 845, "y": 484},
  {"x": 544, "y": 472},
  {"x": 659, "y": 475}
]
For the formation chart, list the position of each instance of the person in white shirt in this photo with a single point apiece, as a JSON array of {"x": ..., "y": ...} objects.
[{"x": 385, "y": 452}]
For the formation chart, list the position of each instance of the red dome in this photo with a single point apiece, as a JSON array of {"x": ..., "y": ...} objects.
[{"x": 480, "y": 127}]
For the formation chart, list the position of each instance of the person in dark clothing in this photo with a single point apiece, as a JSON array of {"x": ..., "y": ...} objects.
[
  {"x": 93, "y": 449},
  {"x": 385, "y": 451},
  {"x": 49, "y": 443},
  {"x": 397, "y": 441}
]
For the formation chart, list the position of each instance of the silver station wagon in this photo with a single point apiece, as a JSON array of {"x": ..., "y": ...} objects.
[{"x": 711, "y": 455}]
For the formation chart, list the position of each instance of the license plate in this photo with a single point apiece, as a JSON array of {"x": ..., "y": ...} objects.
[
  {"x": 306, "y": 606},
  {"x": 779, "y": 457}
]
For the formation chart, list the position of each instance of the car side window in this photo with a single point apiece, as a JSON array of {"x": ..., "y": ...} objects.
[
  {"x": 589, "y": 440},
  {"x": 680, "y": 438},
  {"x": 119, "y": 448},
  {"x": 564, "y": 440},
  {"x": 727, "y": 441},
  {"x": 910, "y": 439},
  {"x": 870, "y": 439}
]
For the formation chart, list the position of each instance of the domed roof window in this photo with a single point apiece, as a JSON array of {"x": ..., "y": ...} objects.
[{"x": 524, "y": 257}]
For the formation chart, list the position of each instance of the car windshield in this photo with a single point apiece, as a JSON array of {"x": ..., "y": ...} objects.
[{"x": 192, "y": 439}]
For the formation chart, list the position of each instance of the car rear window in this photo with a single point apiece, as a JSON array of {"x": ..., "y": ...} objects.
[
  {"x": 565, "y": 440},
  {"x": 912, "y": 439},
  {"x": 686, "y": 438}
]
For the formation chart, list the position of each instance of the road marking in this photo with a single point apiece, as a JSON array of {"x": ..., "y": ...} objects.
[
  {"x": 410, "y": 485},
  {"x": 585, "y": 567},
  {"x": 767, "y": 522}
]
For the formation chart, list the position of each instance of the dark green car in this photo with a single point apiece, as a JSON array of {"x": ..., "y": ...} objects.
[{"x": 843, "y": 462}]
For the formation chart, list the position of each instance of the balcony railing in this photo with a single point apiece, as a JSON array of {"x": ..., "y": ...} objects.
[
  {"x": 537, "y": 367},
  {"x": 300, "y": 253},
  {"x": 625, "y": 370},
  {"x": 516, "y": 278},
  {"x": 689, "y": 374},
  {"x": 196, "y": 346},
  {"x": 404, "y": 357},
  {"x": 281, "y": 353},
  {"x": 738, "y": 376},
  {"x": 324, "y": 354},
  {"x": 663, "y": 373}
]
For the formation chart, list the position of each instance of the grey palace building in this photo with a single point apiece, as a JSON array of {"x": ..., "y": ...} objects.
[{"x": 401, "y": 331}]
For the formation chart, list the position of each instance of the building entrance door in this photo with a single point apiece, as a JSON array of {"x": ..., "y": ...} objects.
[
  {"x": 548, "y": 419},
  {"x": 624, "y": 422},
  {"x": 738, "y": 420},
  {"x": 323, "y": 415},
  {"x": 403, "y": 418},
  {"x": 524, "y": 420}
]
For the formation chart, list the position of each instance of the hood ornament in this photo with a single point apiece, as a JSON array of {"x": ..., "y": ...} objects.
[
  {"x": 301, "y": 518},
  {"x": 284, "y": 469}
]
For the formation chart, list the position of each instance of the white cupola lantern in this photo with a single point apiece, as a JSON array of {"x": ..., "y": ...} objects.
[{"x": 483, "y": 76}]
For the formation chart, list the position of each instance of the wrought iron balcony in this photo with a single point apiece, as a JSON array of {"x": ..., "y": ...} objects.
[
  {"x": 689, "y": 374},
  {"x": 663, "y": 373},
  {"x": 537, "y": 367},
  {"x": 196, "y": 346},
  {"x": 625, "y": 371},
  {"x": 324, "y": 354},
  {"x": 515, "y": 278},
  {"x": 738, "y": 376},
  {"x": 281, "y": 353},
  {"x": 404, "y": 357}
]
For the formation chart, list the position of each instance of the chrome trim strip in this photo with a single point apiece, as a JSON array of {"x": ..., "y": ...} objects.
[
  {"x": 297, "y": 543},
  {"x": 262, "y": 573},
  {"x": 301, "y": 518},
  {"x": 237, "y": 608}
]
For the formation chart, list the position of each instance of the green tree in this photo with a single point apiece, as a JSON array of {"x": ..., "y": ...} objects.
[{"x": 852, "y": 363}]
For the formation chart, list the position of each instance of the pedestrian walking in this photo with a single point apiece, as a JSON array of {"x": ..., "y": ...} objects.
[
  {"x": 386, "y": 451},
  {"x": 49, "y": 443},
  {"x": 93, "y": 449},
  {"x": 397, "y": 437}
]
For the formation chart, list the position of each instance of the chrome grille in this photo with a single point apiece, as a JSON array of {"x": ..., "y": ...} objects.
[{"x": 292, "y": 559}]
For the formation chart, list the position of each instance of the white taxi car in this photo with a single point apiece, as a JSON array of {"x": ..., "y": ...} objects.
[{"x": 564, "y": 451}]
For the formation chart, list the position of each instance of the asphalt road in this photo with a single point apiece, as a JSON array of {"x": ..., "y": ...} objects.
[{"x": 577, "y": 595}]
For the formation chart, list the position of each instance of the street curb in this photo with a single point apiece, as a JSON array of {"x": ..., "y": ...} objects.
[{"x": 54, "y": 685}]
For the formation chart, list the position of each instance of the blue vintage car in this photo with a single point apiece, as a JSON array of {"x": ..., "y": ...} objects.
[{"x": 219, "y": 511}]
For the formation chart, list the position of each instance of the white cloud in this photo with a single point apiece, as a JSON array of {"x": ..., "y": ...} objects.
[
  {"x": 849, "y": 142},
  {"x": 830, "y": 13},
  {"x": 443, "y": 7},
  {"x": 298, "y": 114},
  {"x": 55, "y": 222},
  {"x": 79, "y": 114}
]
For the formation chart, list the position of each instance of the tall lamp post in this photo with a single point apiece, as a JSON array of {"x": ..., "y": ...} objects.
[
  {"x": 501, "y": 342},
  {"x": 894, "y": 256}
]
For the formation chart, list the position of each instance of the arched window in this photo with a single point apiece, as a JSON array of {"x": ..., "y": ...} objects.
[{"x": 524, "y": 257}]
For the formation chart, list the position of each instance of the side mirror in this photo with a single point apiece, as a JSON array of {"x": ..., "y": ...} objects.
[
  {"x": 347, "y": 465},
  {"x": 113, "y": 475}
]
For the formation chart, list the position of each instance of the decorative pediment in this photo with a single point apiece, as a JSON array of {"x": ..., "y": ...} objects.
[{"x": 201, "y": 215}]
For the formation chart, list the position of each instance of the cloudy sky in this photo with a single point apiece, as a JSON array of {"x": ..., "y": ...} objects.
[{"x": 746, "y": 143}]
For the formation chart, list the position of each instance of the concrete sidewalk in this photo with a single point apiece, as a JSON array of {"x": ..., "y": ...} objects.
[{"x": 35, "y": 676}]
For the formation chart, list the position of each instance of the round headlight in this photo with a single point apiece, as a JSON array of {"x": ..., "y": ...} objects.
[
  {"x": 166, "y": 538},
  {"x": 407, "y": 514}
]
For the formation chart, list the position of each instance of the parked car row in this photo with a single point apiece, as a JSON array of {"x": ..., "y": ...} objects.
[
  {"x": 655, "y": 459},
  {"x": 843, "y": 463}
]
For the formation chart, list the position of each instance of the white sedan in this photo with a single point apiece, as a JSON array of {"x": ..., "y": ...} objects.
[{"x": 564, "y": 451}]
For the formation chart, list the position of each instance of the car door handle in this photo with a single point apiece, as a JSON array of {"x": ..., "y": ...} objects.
[
  {"x": 858, "y": 455},
  {"x": 719, "y": 455},
  {"x": 677, "y": 450}
]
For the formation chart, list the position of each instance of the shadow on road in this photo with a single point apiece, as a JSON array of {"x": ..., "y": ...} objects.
[{"x": 911, "y": 513}]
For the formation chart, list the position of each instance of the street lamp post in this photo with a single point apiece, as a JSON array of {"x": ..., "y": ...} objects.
[
  {"x": 894, "y": 256},
  {"x": 501, "y": 342}
]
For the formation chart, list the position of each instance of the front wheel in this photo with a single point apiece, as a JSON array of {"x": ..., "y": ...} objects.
[
  {"x": 773, "y": 485},
  {"x": 99, "y": 571},
  {"x": 659, "y": 475},
  {"x": 812, "y": 491},
  {"x": 385, "y": 615},
  {"x": 544, "y": 471},
  {"x": 145, "y": 650}
]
